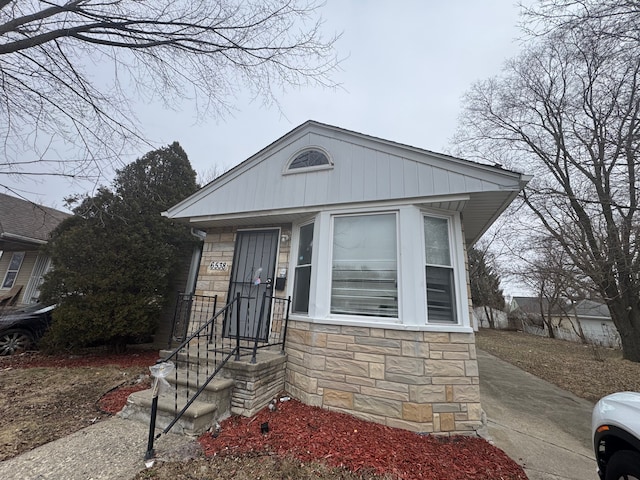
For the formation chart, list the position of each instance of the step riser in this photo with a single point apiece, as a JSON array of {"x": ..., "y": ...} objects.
[
  {"x": 202, "y": 362},
  {"x": 185, "y": 426},
  {"x": 210, "y": 406},
  {"x": 216, "y": 397}
]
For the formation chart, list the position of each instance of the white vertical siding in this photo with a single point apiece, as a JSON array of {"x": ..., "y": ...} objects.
[
  {"x": 425, "y": 179},
  {"x": 363, "y": 171},
  {"x": 410, "y": 179}
]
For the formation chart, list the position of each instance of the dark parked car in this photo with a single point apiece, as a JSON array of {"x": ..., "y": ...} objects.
[
  {"x": 616, "y": 436},
  {"x": 20, "y": 329}
]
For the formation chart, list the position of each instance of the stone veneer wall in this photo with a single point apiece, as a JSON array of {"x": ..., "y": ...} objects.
[
  {"x": 256, "y": 384},
  {"x": 420, "y": 381}
]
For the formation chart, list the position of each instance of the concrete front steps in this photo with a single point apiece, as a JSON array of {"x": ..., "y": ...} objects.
[
  {"x": 240, "y": 388},
  {"x": 211, "y": 406}
]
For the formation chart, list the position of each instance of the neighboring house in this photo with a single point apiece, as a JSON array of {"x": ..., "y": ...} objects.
[
  {"x": 595, "y": 320},
  {"x": 369, "y": 238},
  {"x": 24, "y": 228},
  {"x": 528, "y": 312},
  {"x": 587, "y": 318}
]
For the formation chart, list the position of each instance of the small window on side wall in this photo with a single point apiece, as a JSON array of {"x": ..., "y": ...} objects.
[
  {"x": 309, "y": 159},
  {"x": 441, "y": 301},
  {"x": 302, "y": 280},
  {"x": 13, "y": 269}
]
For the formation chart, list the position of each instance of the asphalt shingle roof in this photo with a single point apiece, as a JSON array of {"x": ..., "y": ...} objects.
[{"x": 26, "y": 220}]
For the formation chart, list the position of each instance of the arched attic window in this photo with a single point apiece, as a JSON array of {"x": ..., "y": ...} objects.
[{"x": 311, "y": 158}]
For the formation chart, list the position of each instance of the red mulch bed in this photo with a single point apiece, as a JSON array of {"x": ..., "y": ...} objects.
[
  {"x": 138, "y": 358},
  {"x": 115, "y": 400},
  {"x": 312, "y": 433}
]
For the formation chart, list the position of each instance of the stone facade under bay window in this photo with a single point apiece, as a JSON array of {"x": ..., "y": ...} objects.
[{"x": 420, "y": 381}]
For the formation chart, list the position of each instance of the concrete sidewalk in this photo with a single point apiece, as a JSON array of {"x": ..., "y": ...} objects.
[
  {"x": 110, "y": 450},
  {"x": 545, "y": 429}
]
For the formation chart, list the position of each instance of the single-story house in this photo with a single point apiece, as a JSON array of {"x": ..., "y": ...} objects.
[
  {"x": 369, "y": 238},
  {"x": 24, "y": 228}
]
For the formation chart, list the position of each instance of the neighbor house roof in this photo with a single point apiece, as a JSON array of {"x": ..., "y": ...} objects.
[
  {"x": 26, "y": 224},
  {"x": 363, "y": 169},
  {"x": 589, "y": 309},
  {"x": 584, "y": 309},
  {"x": 531, "y": 306}
]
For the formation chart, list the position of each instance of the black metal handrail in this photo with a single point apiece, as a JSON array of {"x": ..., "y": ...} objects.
[
  {"x": 190, "y": 310},
  {"x": 223, "y": 349},
  {"x": 219, "y": 347},
  {"x": 280, "y": 313}
]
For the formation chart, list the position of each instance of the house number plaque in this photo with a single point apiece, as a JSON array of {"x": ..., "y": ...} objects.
[{"x": 218, "y": 266}]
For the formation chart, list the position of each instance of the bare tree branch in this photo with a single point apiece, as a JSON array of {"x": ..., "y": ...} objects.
[{"x": 70, "y": 70}]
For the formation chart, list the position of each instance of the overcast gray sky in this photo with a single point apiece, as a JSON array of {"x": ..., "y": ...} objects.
[{"x": 408, "y": 64}]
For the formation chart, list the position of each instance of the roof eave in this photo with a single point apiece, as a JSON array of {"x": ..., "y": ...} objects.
[{"x": 21, "y": 239}]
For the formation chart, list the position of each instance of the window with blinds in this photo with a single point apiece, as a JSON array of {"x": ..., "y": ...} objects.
[
  {"x": 439, "y": 271},
  {"x": 365, "y": 265}
]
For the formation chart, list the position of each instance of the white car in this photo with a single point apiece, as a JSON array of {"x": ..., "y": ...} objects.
[{"x": 615, "y": 425}]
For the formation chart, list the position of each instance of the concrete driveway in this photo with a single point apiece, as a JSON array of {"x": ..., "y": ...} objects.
[{"x": 545, "y": 429}]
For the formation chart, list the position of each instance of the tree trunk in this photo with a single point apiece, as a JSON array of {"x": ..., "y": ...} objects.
[
  {"x": 627, "y": 321},
  {"x": 488, "y": 312},
  {"x": 548, "y": 324}
]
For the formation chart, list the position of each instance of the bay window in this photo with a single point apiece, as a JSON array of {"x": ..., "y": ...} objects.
[
  {"x": 398, "y": 266},
  {"x": 364, "y": 268}
]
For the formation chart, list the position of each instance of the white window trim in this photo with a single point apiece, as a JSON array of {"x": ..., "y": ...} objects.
[
  {"x": 368, "y": 318},
  {"x": 412, "y": 292},
  {"x": 457, "y": 264},
  {"x": 287, "y": 171},
  {"x": 293, "y": 262}
]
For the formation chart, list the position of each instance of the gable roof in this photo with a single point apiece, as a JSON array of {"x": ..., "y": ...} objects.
[
  {"x": 365, "y": 169},
  {"x": 25, "y": 224}
]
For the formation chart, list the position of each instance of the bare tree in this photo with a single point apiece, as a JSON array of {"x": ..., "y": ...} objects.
[
  {"x": 71, "y": 69},
  {"x": 568, "y": 111},
  {"x": 548, "y": 271}
]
